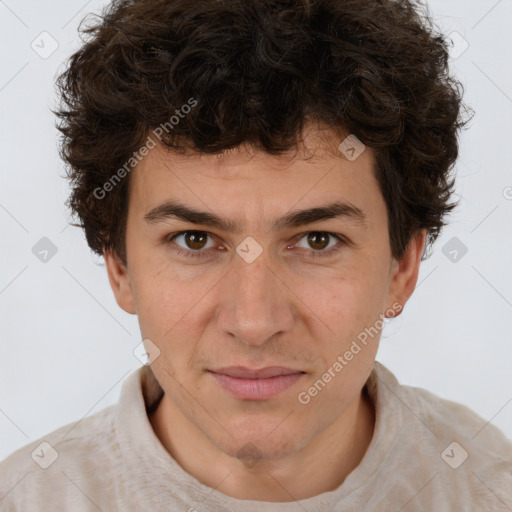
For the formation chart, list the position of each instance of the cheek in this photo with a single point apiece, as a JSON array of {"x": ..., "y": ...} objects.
[
  {"x": 347, "y": 303},
  {"x": 161, "y": 301},
  {"x": 168, "y": 306}
]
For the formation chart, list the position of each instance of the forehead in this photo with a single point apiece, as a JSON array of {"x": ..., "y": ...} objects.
[
  {"x": 317, "y": 146},
  {"x": 244, "y": 180}
]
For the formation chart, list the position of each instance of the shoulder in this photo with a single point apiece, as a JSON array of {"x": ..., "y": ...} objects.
[
  {"x": 79, "y": 448},
  {"x": 447, "y": 418},
  {"x": 464, "y": 457},
  {"x": 443, "y": 418}
]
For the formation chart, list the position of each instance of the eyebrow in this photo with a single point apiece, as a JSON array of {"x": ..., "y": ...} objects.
[{"x": 338, "y": 209}]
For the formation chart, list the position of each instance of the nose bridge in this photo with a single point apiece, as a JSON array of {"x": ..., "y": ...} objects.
[{"x": 255, "y": 306}]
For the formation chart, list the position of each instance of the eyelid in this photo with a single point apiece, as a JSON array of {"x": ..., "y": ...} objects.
[
  {"x": 172, "y": 237},
  {"x": 333, "y": 251},
  {"x": 300, "y": 236}
]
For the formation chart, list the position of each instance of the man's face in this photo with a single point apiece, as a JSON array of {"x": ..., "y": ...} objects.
[{"x": 299, "y": 304}]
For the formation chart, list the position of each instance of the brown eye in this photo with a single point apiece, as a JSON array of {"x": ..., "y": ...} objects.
[
  {"x": 192, "y": 240},
  {"x": 195, "y": 239},
  {"x": 318, "y": 244},
  {"x": 318, "y": 240}
]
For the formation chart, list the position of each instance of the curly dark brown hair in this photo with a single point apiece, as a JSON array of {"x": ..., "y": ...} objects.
[{"x": 255, "y": 72}]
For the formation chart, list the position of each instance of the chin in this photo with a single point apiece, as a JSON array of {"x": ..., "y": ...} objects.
[{"x": 254, "y": 447}]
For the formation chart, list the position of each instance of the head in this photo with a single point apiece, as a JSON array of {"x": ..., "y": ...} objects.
[{"x": 237, "y": 110}]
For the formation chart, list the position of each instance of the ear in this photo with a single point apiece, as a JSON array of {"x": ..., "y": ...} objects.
[
  {"x": 404, "y": 272},
  {"x": 120, "y": 282}
]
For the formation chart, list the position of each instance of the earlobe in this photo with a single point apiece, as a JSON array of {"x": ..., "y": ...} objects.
[
  {"x": 405, "y": 272},
  {"x": 120, "y": 282}
]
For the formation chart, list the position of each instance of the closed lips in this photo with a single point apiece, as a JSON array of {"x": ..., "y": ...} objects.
[{"x": 240, "y": 372}]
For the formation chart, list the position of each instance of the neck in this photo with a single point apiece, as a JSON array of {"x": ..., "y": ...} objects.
[{"x": 324, "y": 463}]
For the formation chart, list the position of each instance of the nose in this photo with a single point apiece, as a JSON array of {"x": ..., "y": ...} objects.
[{"x": 256, "y": 302}]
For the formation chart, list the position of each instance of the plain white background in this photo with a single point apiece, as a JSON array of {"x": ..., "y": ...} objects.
[{"x": 66, "y": 346}]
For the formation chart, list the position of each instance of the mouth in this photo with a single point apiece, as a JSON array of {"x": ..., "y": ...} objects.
[{"x": 256, "y": 384}]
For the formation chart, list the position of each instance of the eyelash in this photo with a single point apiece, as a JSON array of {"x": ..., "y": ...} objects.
[{"x": 204, "y": 254}]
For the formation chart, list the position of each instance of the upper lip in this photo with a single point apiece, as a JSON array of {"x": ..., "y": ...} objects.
[{"x": 241, "y": 372}]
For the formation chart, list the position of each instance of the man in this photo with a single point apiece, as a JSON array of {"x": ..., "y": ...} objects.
[{"x": 262, "y": 178}]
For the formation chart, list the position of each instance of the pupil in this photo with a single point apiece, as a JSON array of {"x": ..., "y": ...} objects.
[
  {"x": 195, "y": 238},
  {"x": 312, "y": 239}
]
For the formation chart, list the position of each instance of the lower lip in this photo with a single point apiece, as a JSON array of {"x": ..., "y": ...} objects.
[{"x": 257, "y": 389}]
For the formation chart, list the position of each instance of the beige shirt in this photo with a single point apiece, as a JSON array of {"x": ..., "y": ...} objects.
[{"x": 427, "y": 454}]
